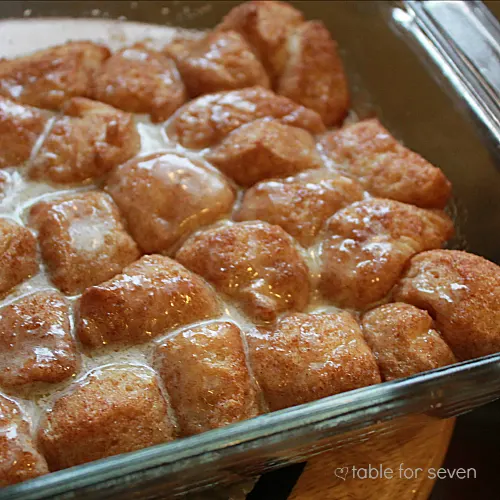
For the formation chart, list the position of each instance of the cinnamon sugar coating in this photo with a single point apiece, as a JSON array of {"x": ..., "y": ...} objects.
[
  {"x": 166, "y": 196},
  {"x": 19, "y": 458},
  {"x": 313, "y": 74},
  {"x": 35, "y": 341},
  {"x": 266, "y": 26},
  {"x": 206, "y": 120},
  {"x": 113, "y": 410},
  {"x": 262, "y": 149},
  {"x": 369, "y": 153},
  {"x": 82, "y": 239},
  {"x": 86, "y": 143},
  {"x": 404, "y": 341},
  {"x": 300, "y": 204},
  {"x": 140, "y": 80},
  {"x": 368, "y": 243},
  {"x": 304, "y": 357},
  {"x": 20, "y": 127},
  {"x": 205, "y": 373},
  {"x": 18, "y": 259},
  {"x": 219, "y": 61},
  {"x": 150, "y": 297},
  {"x": 461, "y": 291},
  {"x": 252, "y": 262},
  {"x": 49, "y": 77}
]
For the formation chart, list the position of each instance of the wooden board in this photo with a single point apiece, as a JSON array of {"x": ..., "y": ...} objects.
[{"x": 407, "y": 460}]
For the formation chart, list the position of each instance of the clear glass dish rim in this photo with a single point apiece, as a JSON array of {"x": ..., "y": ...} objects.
[
  {"x": 343, "y": 412},
  {"x": 339, "y": 414}
]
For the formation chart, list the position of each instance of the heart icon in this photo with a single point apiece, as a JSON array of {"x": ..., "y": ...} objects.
[{"x": 341, "y": 472}]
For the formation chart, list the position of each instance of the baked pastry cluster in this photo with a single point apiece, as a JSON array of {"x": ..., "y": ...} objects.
[{"x": 257, "y": 260}]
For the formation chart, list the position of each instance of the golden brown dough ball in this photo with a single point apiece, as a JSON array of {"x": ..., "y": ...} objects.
[
  {"x": 263, "y": 149},
  {"x": 83, "y": 240},
  {"x": 18, "y": 260},
  {"x": 218, "y": 61},
  {"x": 112, "y": 410},
  {"x": 300, "y": 56},
  {"x": 305, "y": 357},
  {"x": 299, "y": 204},
  {"x": 368, "y": 243},
  {"x": 49, "y": 77},
  {"x": 266, "y": 26},
  {"x": 207, "y": 120},
  {"x": 166, "y": 196},
  {"x": 313, "y": 74},
  {"x": 19, "y": 458},
  {"x": 86, "y": 143},
  {"x": 20, "y": 127},
  {"x": 252, "y": 262},
  {"x": 5, "y": 182},
  {"x": 150, "y": 297},
  {"x": 140, "y": 80},
  {"x": 369, "y": 153},
  {"x": 205, "y": 373},
  {"x": 35, "y": 341},
  {"x": 461, "y": 291},
  {"x": 404, "y": 341}
]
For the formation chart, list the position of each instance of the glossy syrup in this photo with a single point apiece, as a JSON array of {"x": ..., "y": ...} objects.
[{"x": 23, "y": 193}]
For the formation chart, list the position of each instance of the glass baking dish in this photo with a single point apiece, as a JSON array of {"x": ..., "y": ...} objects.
[{"x": 420, "y": 69}]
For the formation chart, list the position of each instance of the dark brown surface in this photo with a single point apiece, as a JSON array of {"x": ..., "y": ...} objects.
[
  {"x": 474, "y": 444},
  {"x": 405, "y": 464},
  {"x": 494, "y": 6}
]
